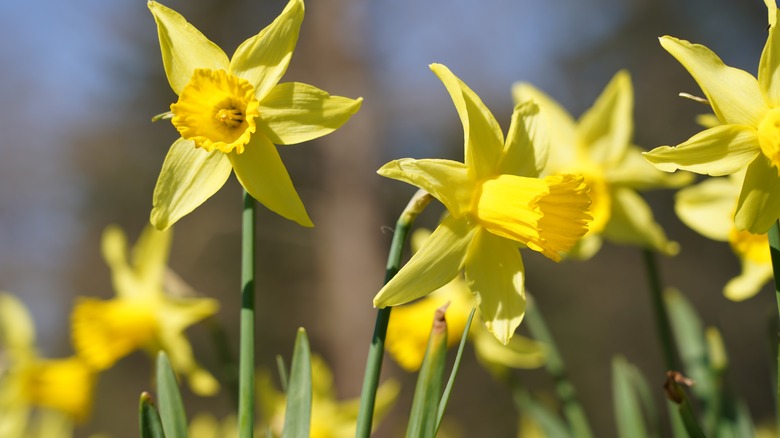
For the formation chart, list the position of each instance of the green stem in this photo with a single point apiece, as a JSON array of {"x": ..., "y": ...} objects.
[
  {"x": 659, "y": 311},
  {"x": 376, "y": 350},
  {"x": 246, "y": 366},
  {"x": 572, "y": 408},
  {"x": 774, "y": 252}
]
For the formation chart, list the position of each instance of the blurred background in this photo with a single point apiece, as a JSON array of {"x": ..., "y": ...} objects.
[{"x": 81, "y": 80}]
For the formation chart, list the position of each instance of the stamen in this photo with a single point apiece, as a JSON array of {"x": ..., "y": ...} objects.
[{"x": 231, "y": 117}]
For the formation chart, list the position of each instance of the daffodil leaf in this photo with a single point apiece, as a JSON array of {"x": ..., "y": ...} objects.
[
  {"x": 430, "y": 381},
  {"x": 151, "y": 425},
  {"x": 297, "y": 418},
  {"x": 445, "y": 398},
  {"x": 635, "y": 412},
  {"x": 548, "y": 421},
  {"x": 174, "y": 419}
]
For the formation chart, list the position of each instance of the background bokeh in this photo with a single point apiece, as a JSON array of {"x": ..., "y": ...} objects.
[{"x": 80, "y": 81}]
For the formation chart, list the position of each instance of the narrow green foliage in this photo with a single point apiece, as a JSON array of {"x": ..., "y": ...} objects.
[
  {"x": 297, "y": 418},
  {"x": 445, "y": 398},
  {"x": 774, "y": 252},
  {"x": 174, "y": 419},
  {"x": 151, "y": 426},
  {"x": 425, "y": 406},
  {"x": 281, "y": 367},
  {"x": 660, "y": 311},
  {"x": 677, "y": 395},
  {"x": 635, "y": 413},
  {"x": 550, "y": 423}
]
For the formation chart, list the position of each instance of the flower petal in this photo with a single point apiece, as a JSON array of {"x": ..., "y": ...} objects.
[
  {"x": 632, "y": 223},
  {"x": 179, "y": 351},
  {"x": 434, "y": 265},
  {"x": 733, "y": 93},
  {"x": 769, "y": 66},
  {"x": 759, "y": 201},
  {"x": 125, "y": 282},
  {"x": 294, "y": 112},
  {"x": 495, "y": 274},
  {"x": 708, "y": 207},
  {"x": 150, "y": 256},
  {"x": 716, "y": 151},
  {"x": 262, "y": 173},
  {"x": 606, "y": 128},
  {"x": 17, "y": 331},
  {"x": 635, "y": 172},
  {"x": 520, "y": 352},
  {"x": 263, "y": 59},
  {"x": 749, "y": 282},
  {"x": 527, "y": 143},
  {"x": 484, "y": 141},
  {"x": 188, "y": 177},
  {"x": 183, "y": 47},
  {"x": 446, "y": 180}
]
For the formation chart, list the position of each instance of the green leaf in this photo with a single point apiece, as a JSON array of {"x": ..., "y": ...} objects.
[
  {"x": 427, "y": 393},
  {"x": 634, "y": 410},
  {"x": 445, "y": 398},
  {"x": 174, "y": 420},
  {"x": 297, "y": 419},
  {"x": 549, "y": 421},
  {"x": 151, "y": 427}
]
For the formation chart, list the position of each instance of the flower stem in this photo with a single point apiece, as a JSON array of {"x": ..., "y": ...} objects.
[
  {"x": 246, "y": 370},
  {"x": 774, "y": 252},
  {"x": 572, "y": 408},
  {"x": 659, "y": 310},
  {"x": 376, "y": 350}
]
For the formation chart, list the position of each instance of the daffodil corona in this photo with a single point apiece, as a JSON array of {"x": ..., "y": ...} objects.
[
  {"x": 231, "y": 112},
  {"x": 748, "y": 136},
  {"x": 496, "y": 204}
]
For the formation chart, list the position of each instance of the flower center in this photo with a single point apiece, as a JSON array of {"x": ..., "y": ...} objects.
[
  {"x": 216, "y": 110},
  {"x": 769, "y": 137}
]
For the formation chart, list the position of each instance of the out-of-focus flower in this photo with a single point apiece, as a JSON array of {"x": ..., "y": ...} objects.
[
  {"x": 748, "y": 136},
  {"x": 60, "y": 390},
  {"x": 410, "y": 325},
  {"x": 144, "y": 314},
  {"x": 496, "y": 204},
  {"x": 230, "y": 113},
  {"x": 598, "y": 146},
  {"x": 708, "y": 208},
  {"x": 330, "y": 418}
]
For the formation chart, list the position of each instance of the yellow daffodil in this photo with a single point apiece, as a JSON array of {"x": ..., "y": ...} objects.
[
  {"x": 330, "y": 418},
  {"x": 748, "y": 136},
  {"x": 60, "y": 389},
  {"x": 410, "y": 325},
  {"x": 231, "y": 112},
  {"x": 496, "y": 204},
  {"x": 144, "y": 314},
  {"x": 708, "y": 208},
  {"x": 598, "y": 146}
]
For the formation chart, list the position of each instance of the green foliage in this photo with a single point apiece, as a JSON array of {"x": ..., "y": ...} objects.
[
  {"x": 297, "y": 419},
  {"x": 174, "y": 419}
]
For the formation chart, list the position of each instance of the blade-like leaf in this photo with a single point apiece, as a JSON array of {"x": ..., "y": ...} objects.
[
  {"x": 174, "y": 419},
  {"x": 548, "y": 421},
  {"x": 427, "y": 393},
  {"x": 297, "y": 419},
  {"x": 633, "y": 401},
  {"x": 445, "y": 398},
  {"x": 151, "y": 427}
]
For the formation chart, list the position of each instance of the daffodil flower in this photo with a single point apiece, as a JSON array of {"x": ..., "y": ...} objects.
[
  {"x": 748, "y": 136},
  {"x": 496, "y": 204},
  {"x": 598, "y": 146},
  {"x": 708, "y": 208},
  {"x": 231, "y": 112},
  {"x": 410, "y": 325},
  {"x": 145, "y": 313},
  {"x": 61, "y": 389}
]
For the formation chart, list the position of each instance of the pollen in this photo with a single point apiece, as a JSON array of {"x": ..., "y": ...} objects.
[
  {"x": 769, "y": 137},
  {"x": 216, "y": 110}
]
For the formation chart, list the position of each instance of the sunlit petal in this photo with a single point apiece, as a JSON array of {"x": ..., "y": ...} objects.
[
  {"x": 150, "y": 256},
  {"x": 769, "y": 66},
  {"x": 708, "y": 207},
  {"x": 749, "y": 282},
  {"x": 17, "y": 332},
  {"x": 635, "y": 172},
  {"x": 123, "y": 278},
  {"x": 759, "y": 201},
  {"x": 520, "y": 352},
  {"x": 632, "y": 223},
  {"x": 606, "y": 128},
  {"x": 527, "y": 143}
]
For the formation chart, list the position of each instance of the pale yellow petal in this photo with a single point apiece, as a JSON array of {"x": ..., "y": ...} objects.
[
  {"x": 708, "y": 207},
  {"x": 759, "y": 201},
  {"x": 262, "y": 173},
  {"x": 632, "y": 223},
  {"x": 17, "y": 331},
  {"x": 150, "y": 256},
  {"x": 716, "y": 151},
  {"x": 433, "y": 266},
  {"x": 448, "y": 181},
  {"x": 586, "y": 247},
  {"x": 520, "y": 352},
  {"x": 124, "y": 280},
  {"x": 769, "y": 66},
  {"x": 484, "y": 141},
  {"x": 184, "y": 48},
  {"x": 635, "y": 172},
  {"x": 189, "y": 176},
  {"x": 733, "y": 93},
  {"x": 263, "y": 59},
  {"x": 495, "y": 274},
  {"x": 605, "y": 129},
  {"x": 527, "y": 143},
  {"x": 749, "y": 282},
  {"x": 293, "y": 112}
]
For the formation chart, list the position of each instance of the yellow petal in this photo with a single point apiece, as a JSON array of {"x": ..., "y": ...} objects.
[
  {"x": 635, "y": 172},
  {"x": 179, "y": 351},
  {"x": 495, "y": 274},
  {"x": 632, "y": 223},
  {"x": 263, "y": 59},
  {"x": 749, "y": 282},
  {"x": 433, "y": 266},
  {"x": 124, "y": 280},
  {"x": 484, "y": 141},
  {"x": 708, "y": 207},
  {"x": 184, "y": 48},
  {"x": 716, "y": 151},
  {"x": 733, "y": 93},
  {"x": 586, "y": 247},
  {"x": 17, "y": 332},
  {"x": 759, "y": 201},
  {"x": 262, "y": 173},
  {"x": 563, "y": 137},
  {"x": 65, "y": 385},
  {"x": 448, "y": 181},
  {"x": 150, "y": 256},
  {"x": 188, "y": 177},
  {"x": 294, "y": 112},
  {"x": 769, "y": 66},
  {"x": 527, "y": 142},
  {"x": 520, "y": 352},
  {"x": 606, "y": 128}
]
